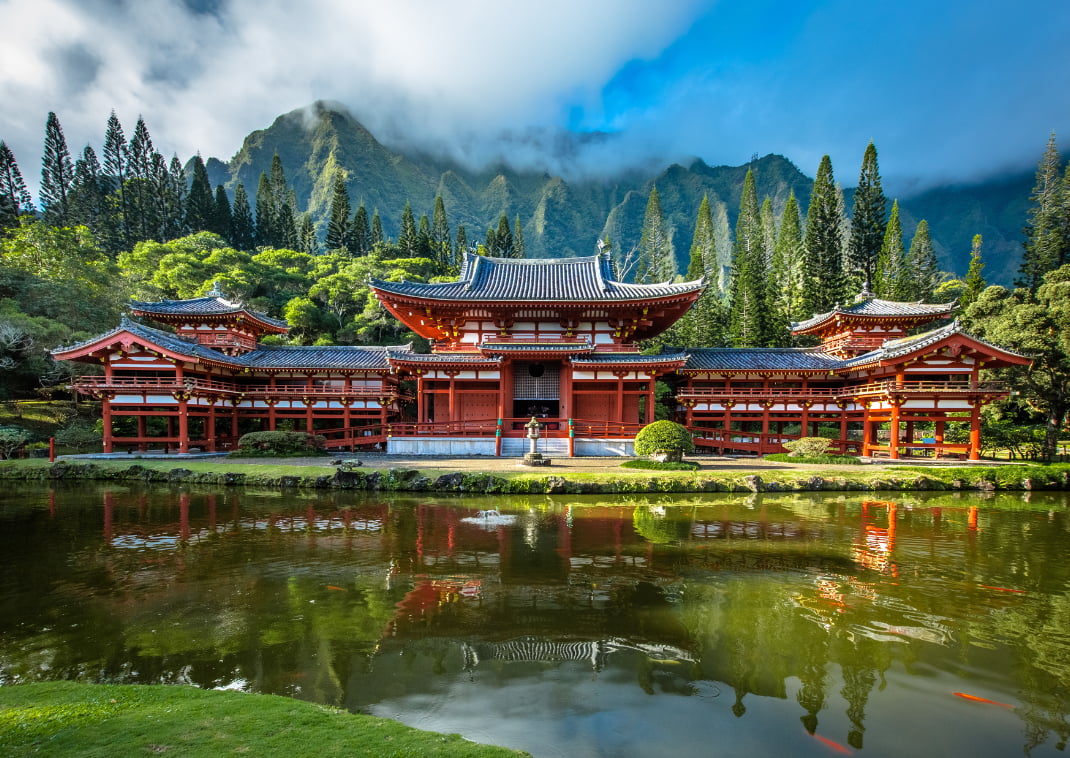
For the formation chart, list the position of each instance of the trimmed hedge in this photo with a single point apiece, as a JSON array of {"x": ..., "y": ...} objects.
[
  {"x": 834, "y": 459},
  {"x": 663, "y": 437},
  {"x": 661, "y": 465},
  {"x": 275, "y": 444}
]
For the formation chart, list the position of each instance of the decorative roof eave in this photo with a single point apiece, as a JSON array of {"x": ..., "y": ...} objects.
[
  {"x": 215, "y": 308},
  {"x": 630, "y": 360},
  {"x": 129, "y": 332},
  {"x": 444, "y": 360},
  {"x": 902, "y": 350},
  {"x": 811, "y": 371},
  {"x": 422, "y": 302},
  {"x": 901, "y": 313}
]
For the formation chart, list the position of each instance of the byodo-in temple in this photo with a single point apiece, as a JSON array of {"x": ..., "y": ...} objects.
[{"x": 557, "y": 339}]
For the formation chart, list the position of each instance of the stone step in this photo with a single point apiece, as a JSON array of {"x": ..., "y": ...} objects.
[{"x": 515, "y": 447}]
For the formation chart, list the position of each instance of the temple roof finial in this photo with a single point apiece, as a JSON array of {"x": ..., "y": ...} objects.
[
  {"x": 865, "y": 294},
  {"x": 215, "y": 291}
]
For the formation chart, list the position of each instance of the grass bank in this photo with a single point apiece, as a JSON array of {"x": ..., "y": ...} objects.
[
  {"x": 608, "y": 480},
  {"x": 70, "y": 718}
]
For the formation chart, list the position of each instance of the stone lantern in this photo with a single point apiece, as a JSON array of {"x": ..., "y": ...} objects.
[{"x": 533, "y": 457}]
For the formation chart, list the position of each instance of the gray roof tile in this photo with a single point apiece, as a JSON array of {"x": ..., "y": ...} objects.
[
  {"x": 872, "y": 306},
  {"x": 212, "y": 305},
  {"x": 536, "y": 280},
  {"x": 761, "y": 359}
]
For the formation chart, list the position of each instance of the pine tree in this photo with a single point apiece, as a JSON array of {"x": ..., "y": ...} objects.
[
  {"x": 57, "y": 174},
  {"x": 490, "y": 243},
  {"x": 423, "y": 237},
  {"x": 243, "y": 236},
  {"x": 504, "y": 238},
  {"x": 749, "y": 323},
  {"x": 787, "y": 262},
  {"x": 975, "y": 281},
  {"x": 441, "y": 240},
  {"x": 703, "y": 254},
  {"x": 768, "y": 227},
  {"x": 823, "y": 282},
  {"x": 200, "y": 204},
  {"x": 1047, "y": 237},
  {"x": 265, "y": 212},
  {"x": 291, "y": 226},
  {"x": 519, "y": 248},
  {"x": 88, "y": 198},
  {"x": 360, "y": 234},
  {"x": 867, "y": 219},
  {"x": 175, "y": 196},
  {"x": 656, "y": 263},
  {"x": 407, "y": 240},
  {"x": 141, "y": 217},
  {"x": 338, "y": 229},
  {"x": 378, "y": 237},
  {"x": 462, "y": 242},
  {"x": 923, "y": 270},
  {"x": 305, "y": 234},
  {"x": 15, "y": 199},
  {"x": 222, "y": 215},
  {"x": 890, "y": 280}
]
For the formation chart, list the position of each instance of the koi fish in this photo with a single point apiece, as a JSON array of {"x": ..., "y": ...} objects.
[
  {"x": 332, "y": 587},
  {"x": 834, "y": 746},
  {"x": 1001, "y": 589},
  {"x": 985, "y": 700}
]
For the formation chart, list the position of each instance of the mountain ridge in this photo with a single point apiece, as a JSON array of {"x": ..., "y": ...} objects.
[{"x": 563, "y": 217}]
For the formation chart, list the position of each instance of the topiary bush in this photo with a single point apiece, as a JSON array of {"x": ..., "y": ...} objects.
[
  {"x": 280, "y": 444},
  {"x": 665, "y": 440},
  {"x": 11, "y": 439},
  {"x": 807, "y": 447}
]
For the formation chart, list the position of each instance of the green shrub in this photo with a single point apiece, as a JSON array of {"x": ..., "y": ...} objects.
[
  {"x": 280, "y": 443},
  {"x": 79, "y": 435},
  {"x": 661, "y": 465},
  {"x": 807, "y": 447},
  {"x": 11, "y": 439},
  {"x": 664, "y": 438},
  {"x": 827, "y": 459}
]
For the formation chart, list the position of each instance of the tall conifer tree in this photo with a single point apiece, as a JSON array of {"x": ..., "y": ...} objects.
[
  {"x": 656, "y": 262},
  {"x": 407, "y": 239},
  {"x": 975, "y": 280},
  {"x": 787, "y": 262},
  {"x": 441, "y": 239},
  {"x": 504, "y": 238},
  {"x": 15, "y": 199},
  {"x": 518, "y": 239},
  {"x": 703, "y": 254},
  {"x": 88, "y": 200},
  {"x": 1047, "y": 230},
  {"x": 378, "y": 237},
  {"x": 462, "y": 243},
  {"x": 243, "y": 236},
  {"x": 265, "y": 212},
  {"x": 338, "y": 229},
  {"x": 223, "y": 215},
  {"x": 423, "y": 237},
  {"x": 749, "y": 322},
  {"x": 200, "y": 204},
  {"x": 923, "y": 270},
  {"x": 57, "y": 173},
  {"x": 305, "y": 234},
  {"x": 890, "y": 280},
  {"x": 867, "y": 219},
  {"x": 360, "y": 233},
  {"x": 823, "y": 283}
]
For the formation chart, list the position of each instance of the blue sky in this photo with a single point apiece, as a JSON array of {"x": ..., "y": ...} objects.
[{"x": 949, "y": 91}]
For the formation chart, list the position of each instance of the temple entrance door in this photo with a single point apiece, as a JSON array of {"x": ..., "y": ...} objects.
[{"x": 536, "y": 392}]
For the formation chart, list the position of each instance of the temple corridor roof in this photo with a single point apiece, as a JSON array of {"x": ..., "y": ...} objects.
[
  {"x": 210, "y": 305},
  {"x": 868, "y": 306}
]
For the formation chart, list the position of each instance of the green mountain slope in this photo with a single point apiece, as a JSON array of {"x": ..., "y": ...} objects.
[{"x": 564, "y": 218}]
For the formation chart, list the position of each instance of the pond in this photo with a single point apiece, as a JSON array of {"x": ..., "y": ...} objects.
[{"x": 668, "y": 625}]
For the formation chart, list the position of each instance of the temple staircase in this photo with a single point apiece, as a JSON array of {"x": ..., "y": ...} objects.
[{"x": 516, "y": 447}]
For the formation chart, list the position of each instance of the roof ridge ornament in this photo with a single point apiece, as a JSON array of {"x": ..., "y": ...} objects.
[
  {"x": 865, "y": 294},
  {"x": 215, "y": 291}
]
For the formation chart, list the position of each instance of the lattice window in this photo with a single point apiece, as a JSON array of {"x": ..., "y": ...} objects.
[{"x": 536, "y": 381}]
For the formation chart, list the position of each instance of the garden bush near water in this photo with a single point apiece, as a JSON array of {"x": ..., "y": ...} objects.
[{"x": 280, "y": 444}]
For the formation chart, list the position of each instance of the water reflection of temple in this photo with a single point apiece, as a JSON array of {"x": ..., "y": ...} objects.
[{"x": 767, "y": 601}]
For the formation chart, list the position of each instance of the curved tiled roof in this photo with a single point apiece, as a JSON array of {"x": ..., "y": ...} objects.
[
  {"x": 907, "y": 345},
  {"x": 473, "y": 359},
  {"x": 875, "y": 307},
  {"x": 628, "y": 358},
  {"x": 266, "y": 357},
  {"x": 761, "y": 359},
  {"x": 536, "y": 280},
  {"x": 211, "y": 305}
]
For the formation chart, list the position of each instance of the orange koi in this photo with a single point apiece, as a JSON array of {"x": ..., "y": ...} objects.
[
  {"x": 1001, "y": 589},
  {"x": 834, "y": 746},
  {"x": 340, "y": 589},
  {"x": 985, "y": 700}
]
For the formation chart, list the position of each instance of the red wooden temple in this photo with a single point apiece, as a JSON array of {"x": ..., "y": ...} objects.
[{"x": 557, "y": 339}]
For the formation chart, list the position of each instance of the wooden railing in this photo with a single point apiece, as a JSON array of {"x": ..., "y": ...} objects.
[
  {"x": 515, "y": 427},
  {"x": 834, "y": 393},
  {"x": 196, "y": 384}
]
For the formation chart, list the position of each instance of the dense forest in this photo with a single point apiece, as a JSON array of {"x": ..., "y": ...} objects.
[{"x": 134, "y": 224}]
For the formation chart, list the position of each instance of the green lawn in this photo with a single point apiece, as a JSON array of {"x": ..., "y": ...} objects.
[{"x": 69, "y": 718}]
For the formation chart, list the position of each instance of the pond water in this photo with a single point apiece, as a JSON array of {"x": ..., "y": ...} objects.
[{"x": 669, "y": 625}]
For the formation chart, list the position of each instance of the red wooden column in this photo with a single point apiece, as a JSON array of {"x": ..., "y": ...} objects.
[
  {"x": 183, "y": 426},
  {"x": 309, "y": 404},
  {"x": 210, "y": 423},
  {"x": 106, "y": 411},
  {"x": 650, "y": 397},
  {"x": 938, "y": 435},
  {"x": 893, "y": 451},
  {"x": 453, "y": 395},
  {"x": 565, "y": 404},
  {"x": 141, "y": 433},
  {"x": 620, "y": 398},
  {"x": 975, "y": 431},
  {"x": 867, "y": 432}
]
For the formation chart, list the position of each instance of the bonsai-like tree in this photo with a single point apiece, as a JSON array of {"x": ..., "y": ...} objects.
[{"x": 664, "y": 441}]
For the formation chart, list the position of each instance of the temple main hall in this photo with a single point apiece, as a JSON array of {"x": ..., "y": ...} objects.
[{"x": 554, "y": 339}]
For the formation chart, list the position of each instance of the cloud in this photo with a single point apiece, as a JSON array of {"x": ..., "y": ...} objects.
[{"x": 204, "y": 74}]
